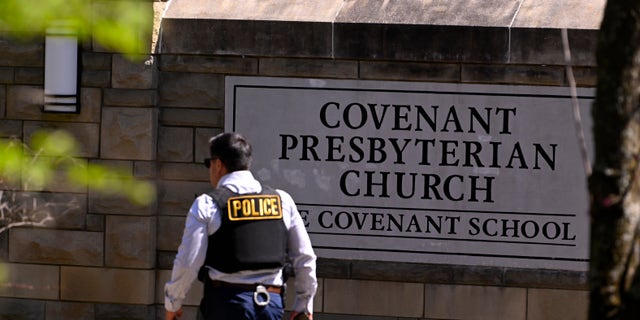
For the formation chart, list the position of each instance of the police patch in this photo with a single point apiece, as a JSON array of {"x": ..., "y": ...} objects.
[{"x": 254, "y": 207}]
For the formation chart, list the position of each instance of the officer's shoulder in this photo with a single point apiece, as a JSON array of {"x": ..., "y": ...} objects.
[
  {"x": 283, "y": 194},
  {"x": 203, "y": 199}
]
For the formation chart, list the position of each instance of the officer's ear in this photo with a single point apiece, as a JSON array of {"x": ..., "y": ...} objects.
[{"x": 220, "y": 165}]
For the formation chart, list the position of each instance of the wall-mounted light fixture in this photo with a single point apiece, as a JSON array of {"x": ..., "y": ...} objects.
[{"x": 61, "y": 69}]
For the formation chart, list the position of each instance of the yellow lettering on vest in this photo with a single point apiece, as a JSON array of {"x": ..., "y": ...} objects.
[
  {"x": 246, "y": 207},
  {"x": 264, "y": 204},
  {"x": 236, "y": 206},
  {"x": 274, "y": 206},
  {"x": 254, "y": 212},
  {"x": 258, "y": 207}
]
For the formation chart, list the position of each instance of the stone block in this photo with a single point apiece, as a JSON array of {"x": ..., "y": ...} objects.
[
  {"x": 409, "y": 71},
  {"x": 56, "y": 310},
  {"x": 96, "y": 61},
  {"x": 308, "y": 68},
  {"x": 203, "y": 135},
  {"x": 192, "y": 117},
  {"x": 6, "y": 75},
  {"x": 3, "y": 101},
  {"x": 191, "y": 90},
  {"x": 130, "y": 242},
  {"x": 478, "y": 275},
  {"x": 376, "y": 298},
  {"x": 104, "y": 204},
  {"x": 26, "y": 75},
  {"x": 488, "y": 13},
  {"x": 165, "y": 259},
  {"x": 570, "y": 14},
  {"x": 290, "y": 297},
  {"x": 125, "y": 311},
  {"x": 4, "y": 246},
  {"x": 25, "y": 103},
  {"x": 583, "y": 45},
  {"x": 56, "y": 247},
  {"x": 59, "y": 210},
  {"x": 85, "y": 134},
  {"x": 107, "y": 285},
  {"x": 58, "y": 183},
  {"x": 409, "y": 272},
  {"x": 24, "y": 100},
  {"x": 144, "y": 169},
  {"x": 90, "y": 105},
  {"x": 95, "y": 222},
  {"x": 175, "y": 144},
  {"x": 16, "y": 53},
  {"x": 513, "y": 74},
  {"x": 585, "y": 77},
  {"x": 474, "y": 302},
  {"x": 194, "y": 295},
  {"x": 123, "y": 166},
  {"x": 128, "y": 133},
  {"x": 21, "y": 309},
  {"x": 255, "y": 10},
  {"x": 549, "y": 48},
  {"x": 170, "y": 230},
  {"x": 333, "y": 268},
  {"x": 129, "y": 98},
  {"x": 421, "y": 42},
  {"x": 542, "y": 278},
  {"x": 184, "y": 171},
  {"x": 545, "y": 304},
  {"x": 246, "y": 37},
  {"x": 96, "y": 78},
  {"x": 175, "y": 197},
  {"x": 208, "y": 64},
  {"x": 30, "y": 281},
  {"x": 10, "y": 128},
  {"x": 138, "y": 72}
]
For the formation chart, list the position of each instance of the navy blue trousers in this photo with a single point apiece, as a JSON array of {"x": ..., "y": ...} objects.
[{"x": 221, "y": 303}]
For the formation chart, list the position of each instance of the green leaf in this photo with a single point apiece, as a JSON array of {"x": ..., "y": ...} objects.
[
  {"x": 12, "y": 159},
  {"x": 119, "y": 25},
  {"x": 54, "y": 144}
]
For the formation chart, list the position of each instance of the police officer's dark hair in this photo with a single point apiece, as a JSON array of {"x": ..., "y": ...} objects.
[{"x": 233, "y": 149}]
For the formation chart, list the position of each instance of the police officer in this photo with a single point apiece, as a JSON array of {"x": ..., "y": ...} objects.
[{"x": 241, "y": 234}]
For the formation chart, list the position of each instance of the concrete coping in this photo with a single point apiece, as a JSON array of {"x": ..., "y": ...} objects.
[
  {"x": 503, "y": 31},
  {"x": 554, "y": 14}
]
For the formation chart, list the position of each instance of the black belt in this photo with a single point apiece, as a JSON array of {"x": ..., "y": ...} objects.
[{"x": 245, "y": 287}]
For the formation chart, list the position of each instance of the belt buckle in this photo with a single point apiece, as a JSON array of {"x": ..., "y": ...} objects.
[{"x": 261, "y": 291}]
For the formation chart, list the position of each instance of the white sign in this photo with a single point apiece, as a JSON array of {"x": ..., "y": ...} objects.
[{"x": 423, "y": 172}]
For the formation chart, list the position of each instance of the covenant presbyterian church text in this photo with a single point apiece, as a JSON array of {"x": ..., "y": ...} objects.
[{"x": 373, "y": 124}]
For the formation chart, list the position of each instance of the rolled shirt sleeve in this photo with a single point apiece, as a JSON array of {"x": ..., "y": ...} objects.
[
  {"x": 191, "y": 255},
  {"x": 303, "y": 258}
]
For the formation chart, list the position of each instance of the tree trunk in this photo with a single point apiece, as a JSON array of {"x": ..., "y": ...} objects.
[{"x": 614, "y": 184}]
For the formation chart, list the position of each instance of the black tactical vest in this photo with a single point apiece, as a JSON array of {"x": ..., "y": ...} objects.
[{"x": 252, "y": 235}]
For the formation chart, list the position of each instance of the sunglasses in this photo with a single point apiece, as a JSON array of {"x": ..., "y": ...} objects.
[{"x": 207, "y": 161}]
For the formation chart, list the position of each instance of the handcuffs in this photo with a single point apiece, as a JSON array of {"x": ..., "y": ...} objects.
[{"x": 261, "y": 291}]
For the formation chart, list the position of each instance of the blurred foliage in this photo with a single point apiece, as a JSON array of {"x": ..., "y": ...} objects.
[
  {"x": 51, "y": 156},
  {"x": 115, "y": 24},
  {"x": 119, "y": 25}
]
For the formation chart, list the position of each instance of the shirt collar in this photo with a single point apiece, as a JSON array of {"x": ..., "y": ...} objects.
[{"x": 240, "y": 182}]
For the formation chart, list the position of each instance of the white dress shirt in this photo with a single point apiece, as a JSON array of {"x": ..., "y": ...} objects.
[{"x": 204, "y": 219}]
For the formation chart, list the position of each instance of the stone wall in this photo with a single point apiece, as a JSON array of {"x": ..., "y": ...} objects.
[
  {"x": 98, "y": 259},
  {"x": 108, "y": 259}
]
